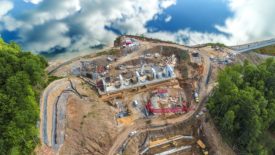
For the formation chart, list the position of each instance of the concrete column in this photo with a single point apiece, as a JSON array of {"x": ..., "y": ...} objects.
[{"x": 154, "y": 73}]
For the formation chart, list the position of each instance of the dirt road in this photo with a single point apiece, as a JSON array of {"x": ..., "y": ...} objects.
[
  {"x": 46, "y": 105},
  {"x": 141, "y": 125},
  {"x": 48, "y": 101},
  {"x": 124, "y": 135},
  {"x": 155, "y": 125}
]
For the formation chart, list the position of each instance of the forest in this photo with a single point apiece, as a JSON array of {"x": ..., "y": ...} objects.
[
  {"x": 243, "y": 107},
  {"x": 22, "y": 77}
]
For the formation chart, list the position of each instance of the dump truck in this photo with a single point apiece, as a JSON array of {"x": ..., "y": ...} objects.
[{"x": 202, "y": 146}]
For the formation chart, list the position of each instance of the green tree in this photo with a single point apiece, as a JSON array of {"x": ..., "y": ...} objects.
[
  {"x": 243, "y": 105},
  {"x": 22, "y": 76}
]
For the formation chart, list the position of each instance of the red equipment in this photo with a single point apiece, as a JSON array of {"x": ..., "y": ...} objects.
[
  {"x": 150, "y": 108},
  {"x": 162, "y": 91}
]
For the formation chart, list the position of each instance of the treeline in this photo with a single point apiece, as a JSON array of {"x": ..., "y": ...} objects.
[
  {"x": 22, "y": 77},
  {"x": 243, "y": 107}
]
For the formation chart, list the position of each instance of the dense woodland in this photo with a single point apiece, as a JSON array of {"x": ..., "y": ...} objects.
[
  {"x": 22, "y": 77},
  {"x": 243, "y": 107}
]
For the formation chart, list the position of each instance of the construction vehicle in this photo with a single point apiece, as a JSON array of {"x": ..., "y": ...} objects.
[
  {"x": 202, "y": 146},
  {"x": 205, "y": 152},
  {"x": 132, "y": 133},
  {"x": 196, "y": 97}
]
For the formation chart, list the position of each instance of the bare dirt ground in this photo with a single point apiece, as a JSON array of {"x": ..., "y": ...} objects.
[
  {"x": 90, "y": 124},
  {"x": 158, "y": 122},
  {"x": 251, "y": 56},
  {"x": 89, "y": 130},
  {"x": 154, "y": 136}
]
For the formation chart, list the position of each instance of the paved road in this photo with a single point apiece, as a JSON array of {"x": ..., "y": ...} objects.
[{"x": 253, "y": 46}]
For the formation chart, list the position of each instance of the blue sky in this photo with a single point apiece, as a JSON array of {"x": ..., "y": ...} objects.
[
  {"x": 198, "y": 15},
  {"x": 78, "y": 25}
]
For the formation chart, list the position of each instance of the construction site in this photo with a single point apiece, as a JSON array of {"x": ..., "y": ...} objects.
[{"x": 146, "y": 97}]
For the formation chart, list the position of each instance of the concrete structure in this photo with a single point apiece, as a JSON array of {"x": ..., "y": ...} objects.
[
  {"x": 129, "y": 45},
  {"x": 161, "y": 102},
  {"x": 166, "y": 73},
  {"x": 252, "y": 46},
  {"x": 175, "y": 150}
]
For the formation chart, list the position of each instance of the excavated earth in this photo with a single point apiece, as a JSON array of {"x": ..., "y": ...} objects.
[
  {"x": 90, "y": 126},
  {"x": 85, "y": 123}
]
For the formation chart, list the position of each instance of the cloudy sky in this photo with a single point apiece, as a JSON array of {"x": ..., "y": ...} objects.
[{"x": 75, "y": 25}]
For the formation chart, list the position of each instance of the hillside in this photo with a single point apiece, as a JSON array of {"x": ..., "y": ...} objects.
[
  {"x": 243, "y": 106},
  {"x": 269, "y": 50},
  {"x": 22, "y": 77}
]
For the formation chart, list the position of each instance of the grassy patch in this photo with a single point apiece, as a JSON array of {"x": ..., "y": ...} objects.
[
  {"x": 269, "y": 50},
  {"x": 184, "y": 72},
  {"x": 154, "y": 40},
  {"x": 268, "y": 141},
  {"x": 216, "y": 44},
  {"x": 52, "y": 78},
  {"x": 91, "y": 114},
  {"x": 184, "y": 55},
  {"x": 109, "y": 52}
]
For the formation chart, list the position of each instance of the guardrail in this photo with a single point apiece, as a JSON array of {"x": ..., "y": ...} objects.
[{"x": 252, "y": 46}]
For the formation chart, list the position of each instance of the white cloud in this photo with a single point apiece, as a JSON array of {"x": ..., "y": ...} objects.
[
  {"x": 52, "y": 10},
  {"x": 167, "y": 3},
  {"x": 51, "y": 35},
  {"x": 11, "y": 24},
  {"x": 33, "y": 1},
  {"x": 79, "y": 24},
  {"x": 168, "y": 19},
  {"x": 5, "y": 7},
  {"x": 143, "y": 11},
  {"x": 189, "y": 37},
  {"x": 253, "y": 20}
]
